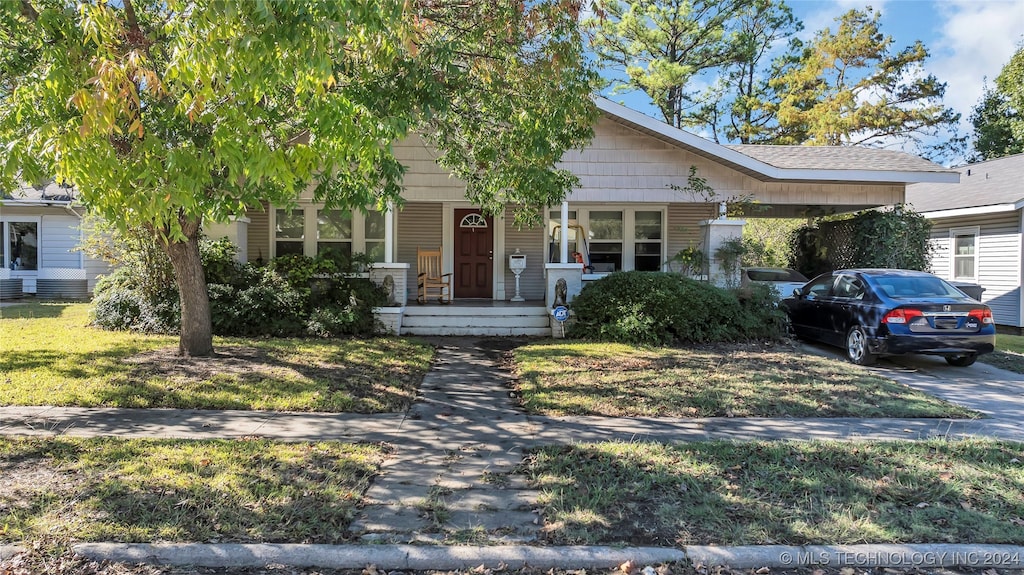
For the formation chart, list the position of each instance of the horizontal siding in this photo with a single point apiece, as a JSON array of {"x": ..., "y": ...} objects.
[
  {"x": 59, "y": 237},
  {"x": 419, "y": 226},
  {"x": 999, "y": 260},
  {"x": 258, "y": 235},
  {"x": 684, "y": 228},
  {"x": 532, "y": 243}
]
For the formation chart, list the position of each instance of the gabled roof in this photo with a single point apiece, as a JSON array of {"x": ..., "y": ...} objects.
[
  {"x": 790, "y": 163},
  {"x": 985, "y": 187},
  {"x": 44, "y": 193}
]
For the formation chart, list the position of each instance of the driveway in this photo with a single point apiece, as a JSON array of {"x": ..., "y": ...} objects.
[{"x": 995, "y": 392}]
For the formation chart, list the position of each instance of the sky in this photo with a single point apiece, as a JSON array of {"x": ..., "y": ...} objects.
[{"x": 969, "y": 40}]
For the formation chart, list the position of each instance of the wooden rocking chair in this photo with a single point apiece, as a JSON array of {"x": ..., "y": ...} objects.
[{"x": 430, "y": 280}]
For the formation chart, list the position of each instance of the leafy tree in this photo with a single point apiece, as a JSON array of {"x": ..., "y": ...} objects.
[
  {"x": 998, "y": 119},
  {"x": 168, "y": 113},
  {"x": 660, "y": 45},
  {"x": 736, "y": 107},
  {"x": 767, "y": 241},
  {"x": 848, "y": 88}
]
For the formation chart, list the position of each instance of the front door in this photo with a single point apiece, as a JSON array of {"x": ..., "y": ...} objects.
[{"x": 474, "y": 254}]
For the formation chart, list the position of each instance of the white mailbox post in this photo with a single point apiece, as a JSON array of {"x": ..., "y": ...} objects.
[{"x": 517, "y": 263}]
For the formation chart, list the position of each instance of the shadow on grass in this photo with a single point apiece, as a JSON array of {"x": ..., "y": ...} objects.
[
  {"x": 202, "y": 491},
  {"x": 26, "y": 309},
  {"x": 265, "y": 376},
  {"x": 789, "y": 493},
  {"x": 623, "y": 381}
]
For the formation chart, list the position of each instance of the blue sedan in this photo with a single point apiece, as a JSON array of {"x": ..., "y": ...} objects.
[{"x": 877, "y": 312}]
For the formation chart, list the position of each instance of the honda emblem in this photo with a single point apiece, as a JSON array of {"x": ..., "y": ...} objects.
[{"x": 947, "y": 308}]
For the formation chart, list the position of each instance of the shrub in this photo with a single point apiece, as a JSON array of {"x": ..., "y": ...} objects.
[
  {"x": 658, "y": 308},
  {"x": 123, "y": 300}
]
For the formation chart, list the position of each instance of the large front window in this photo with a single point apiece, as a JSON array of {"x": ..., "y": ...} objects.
[
  {"x": 332, "y": 234},
  {"x": 615, "y": 239},
  {"x": 20, "y": 248}
]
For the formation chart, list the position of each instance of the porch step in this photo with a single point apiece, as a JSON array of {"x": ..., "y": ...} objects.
[{"x": 455, "y": 319}]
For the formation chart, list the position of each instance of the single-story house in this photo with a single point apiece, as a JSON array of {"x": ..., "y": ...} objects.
[
  {"x": 626, "y": 214},
  {"x": 976, "y": 231},
  {"x": 40, "y": 232}
]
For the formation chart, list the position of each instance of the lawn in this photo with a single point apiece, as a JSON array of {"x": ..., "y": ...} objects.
[
  {"x": 1009, "y": 353},
  {"x": 726, "y": 381},
  {"x": 50, "y": 356},
  {"x": 177, "y": 490},
  {"x": 727, "y": 493}
]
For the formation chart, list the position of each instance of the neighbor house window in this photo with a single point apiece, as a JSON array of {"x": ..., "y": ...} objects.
[
  {"x": 20, "y": 251},
  {"x": 964, "y": 249},
  {"x": 332, "y": 234}
]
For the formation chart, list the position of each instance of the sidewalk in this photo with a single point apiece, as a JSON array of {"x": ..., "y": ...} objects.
[{"x": 464, "y": 429}]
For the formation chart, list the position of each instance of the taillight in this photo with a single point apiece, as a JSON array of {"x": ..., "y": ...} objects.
[
  {"x": 982, "y": 315},
  {"x": 902, "y": 315}
]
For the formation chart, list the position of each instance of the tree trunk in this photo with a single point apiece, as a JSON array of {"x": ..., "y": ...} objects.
[{"x": 196, "y": 328}]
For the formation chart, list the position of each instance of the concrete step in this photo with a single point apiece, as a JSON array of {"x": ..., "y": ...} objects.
[
  {"x": 474, "y": 311},
  {"x": 482, "y": 321},
  {"x": 478, "y": 330}
]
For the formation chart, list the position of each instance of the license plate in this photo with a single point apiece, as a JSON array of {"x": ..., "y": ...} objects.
[{"x": 946, "y": 323}]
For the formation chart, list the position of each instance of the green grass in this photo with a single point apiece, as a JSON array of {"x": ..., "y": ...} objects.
[
  {"x": 725, "y": 493},
  {"x": 626, "y": 381},
  {"x": 1009, "y": 353},
  {"x": 50, "y": 356},
  {"x": 177, "y": 490}
]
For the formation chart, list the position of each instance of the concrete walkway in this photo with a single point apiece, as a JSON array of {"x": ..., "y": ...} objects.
[{"x": 452, "y": 477}]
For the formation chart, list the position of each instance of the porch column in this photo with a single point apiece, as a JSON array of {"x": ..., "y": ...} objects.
[
  {"x": 564, "y": 243},
  {"x": 389, "y": 234}
]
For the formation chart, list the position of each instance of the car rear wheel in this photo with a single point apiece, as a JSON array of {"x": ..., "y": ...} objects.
[
  {"x": 961, "y": 360},
  {"x": 857, "y": 347}
]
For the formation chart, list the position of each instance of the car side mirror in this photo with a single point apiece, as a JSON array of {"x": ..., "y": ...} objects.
[{"x": 798, "y": 293}]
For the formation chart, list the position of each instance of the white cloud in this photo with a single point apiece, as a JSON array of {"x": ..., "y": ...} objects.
[{"x": 977, "y": 39}]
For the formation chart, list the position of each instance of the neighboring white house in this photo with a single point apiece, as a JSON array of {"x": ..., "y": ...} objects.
[
  {"x": 40, "y": 229},
  {"x": 625, "y": 206},
  {"x": 976, "y": 231}
]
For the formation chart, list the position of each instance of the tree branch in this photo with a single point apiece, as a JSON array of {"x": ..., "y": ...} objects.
[{"x": 28, "y": 11}]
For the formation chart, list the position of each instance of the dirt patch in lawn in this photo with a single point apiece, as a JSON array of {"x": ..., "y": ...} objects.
[{"x": 230, "y": 360}]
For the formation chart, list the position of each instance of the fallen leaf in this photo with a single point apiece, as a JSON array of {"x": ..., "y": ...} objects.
[
  {"x": 762, "y": 571},
  {"x": 663, "y": 570},
  {"x": 946, "y": 476},
  {"x": 966, "y": 505},
  {"x": 628, "y": 567},
  {"x": 370, "y": 570},
  {"x": 818, "y": 572},
  {"x": 922, "y": 505}
]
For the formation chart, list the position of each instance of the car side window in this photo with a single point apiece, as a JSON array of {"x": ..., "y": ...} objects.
[
  {"x": 821, "y": 288},
  {"x": 849, "y": 287}
]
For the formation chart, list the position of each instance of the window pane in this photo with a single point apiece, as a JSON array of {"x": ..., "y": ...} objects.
[
  {"x": 606, "y": 225},
  {"x": 290, "y": 224},
  {"x": 3, "y": 245},
  {"x": 375, "y": 250},
  {"x": 964, "y": 267},
  {"x": 965, "y": 245},
  {"x": 648, "y": 225},
  {"x": 288, "y": 248},
  {"x": 555, "y": 222},
  {"x": 374, "y": 226},
  {"x": 338, "y": 252},
  {"x": 606, "y": 257},
  {"x": 24, "y": 245},
  {"x": 333, "y": 225}
]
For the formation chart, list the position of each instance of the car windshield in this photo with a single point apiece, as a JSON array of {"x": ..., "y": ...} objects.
[
  {"x": 779, "y": 275},
  {"x": 909, "y": 287}
]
